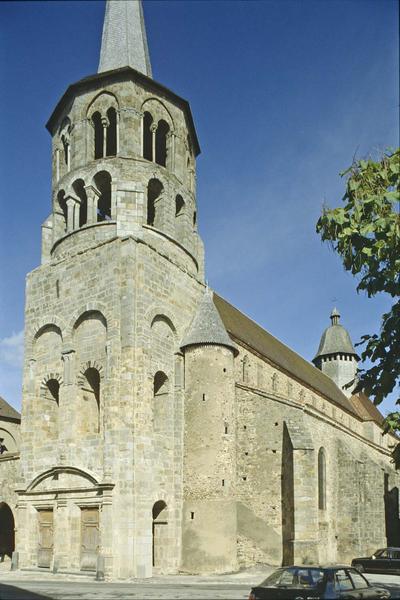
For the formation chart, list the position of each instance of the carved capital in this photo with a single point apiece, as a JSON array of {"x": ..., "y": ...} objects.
[
  {"x": 71, "y": 200},
  {"x": 92, "y": 192}
]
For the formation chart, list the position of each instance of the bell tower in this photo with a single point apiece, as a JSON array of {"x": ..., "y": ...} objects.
[
  {"x": 124, "y": 152},
  {"x": 336, "y": 356},
  {"x": 122, "y": 272}
]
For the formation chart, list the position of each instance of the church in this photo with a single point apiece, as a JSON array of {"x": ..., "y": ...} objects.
[{"x": 162, "y": 430}]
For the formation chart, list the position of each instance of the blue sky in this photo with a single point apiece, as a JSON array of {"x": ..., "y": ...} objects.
[{"x": 283, "y": 94}]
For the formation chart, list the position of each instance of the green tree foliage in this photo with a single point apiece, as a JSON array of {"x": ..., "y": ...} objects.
[{"x": 365, "y": 232}]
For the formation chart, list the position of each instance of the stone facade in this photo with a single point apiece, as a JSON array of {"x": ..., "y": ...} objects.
[{"x": 152, "y": 454}]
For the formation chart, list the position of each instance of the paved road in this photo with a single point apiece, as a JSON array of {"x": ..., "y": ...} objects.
[
  {"x": 25, "y": 587},
  {"x": 39, "y": 590}
]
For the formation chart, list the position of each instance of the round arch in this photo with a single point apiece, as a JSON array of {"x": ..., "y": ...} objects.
[
  {"x": 158, "y": 111},
  {"x": 102, "y": 102},
  {"x": 7, "y": 531}
]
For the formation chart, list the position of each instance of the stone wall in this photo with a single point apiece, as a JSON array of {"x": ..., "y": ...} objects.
[{"x": 281, "y": 427}]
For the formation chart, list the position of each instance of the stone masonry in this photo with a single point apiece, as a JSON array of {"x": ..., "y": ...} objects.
[{"x": 162, "y": 430}]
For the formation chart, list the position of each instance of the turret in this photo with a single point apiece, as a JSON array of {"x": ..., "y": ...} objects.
[
  {"x": 209, "y": 513},
  {"x": 336, "y": 356}
]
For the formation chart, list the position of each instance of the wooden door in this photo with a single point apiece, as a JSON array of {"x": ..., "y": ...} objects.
[
  {"x": 46, "y": 538},
  {"x": 89, "y": 538}
]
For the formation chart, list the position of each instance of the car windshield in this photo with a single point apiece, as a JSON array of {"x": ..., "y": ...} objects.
[
  {"x": 381, "y": 553},
  {"x": 294, "y": 577}
]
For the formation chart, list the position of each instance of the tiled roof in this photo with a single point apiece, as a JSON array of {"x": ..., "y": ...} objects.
[
  {"x": 244, "y": 329},
  {"x": 366, "y": 410},
  {"x": 7, "y": 411}
]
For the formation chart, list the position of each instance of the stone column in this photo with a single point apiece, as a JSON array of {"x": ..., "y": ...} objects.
[
  {"x": 31, "y": 376},
  {"x": 117, "y": 132},
  {"x": 22, "y": 535},
  {"x": 57, "y": 164},
  {"x": 93, "y": 196},
  {"x": 169, "y": 157},
  {"x": 106, "y": 531},
  {"x": 71, "y": 202},
  {"x": 61, "y": 536},
  {"x": 153, "y": 129},
  {"x": 77, "y": 210},
  {"x": 105, "y": 123},
  {"x": 68, "y": 155}
]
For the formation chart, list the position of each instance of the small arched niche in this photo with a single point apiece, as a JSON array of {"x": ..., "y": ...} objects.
[
  {"x": 49, "y": 407},
  {"x": 160, "y": 401},
  {"x": 160, "y": 535},
  {"x": 90, "y": 401}
]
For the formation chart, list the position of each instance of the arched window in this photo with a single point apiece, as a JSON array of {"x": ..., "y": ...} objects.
[
  {"x": 147, "y": 136},
  {"x": 102, "y": 182},
  {"x": 65, "y": 135},
  {"x": 53, "y": 390},
  {"x": 161, "y": 143},
  {"x": 111, "y": 145},
  {"x": 90, "y": 408},
  {"x": 66, "y": 148},
  {"x": 180, "y": 220},
  {"x": 7, "y": 442},
  {"x": 321, "y": 479},
  {"x": 7, "y": 527},
  {"x": 179, "y": 205},
  {"x": 154, "y": 191},
  {"x": 79, "y": 189},
  {"x": 98, "y": 135},
  {"x": 62, "y": 209}
]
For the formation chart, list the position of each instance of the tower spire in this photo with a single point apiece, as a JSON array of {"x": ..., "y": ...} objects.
[{"x": 124, "y": 41}]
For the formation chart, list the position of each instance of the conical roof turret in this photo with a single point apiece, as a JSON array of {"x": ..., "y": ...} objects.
[
  {"x": 124, "y": 40},
  {"x": 207, "y": 327},
  {"x": 335, "y": 339}
]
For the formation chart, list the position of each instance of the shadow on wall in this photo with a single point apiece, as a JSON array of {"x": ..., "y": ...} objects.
[
  {"x": 259, "y": 532},
  {"x": 15, "y": 593},
  {"x": 392, "y": 517},
  {"x": 287, "y": 494}
]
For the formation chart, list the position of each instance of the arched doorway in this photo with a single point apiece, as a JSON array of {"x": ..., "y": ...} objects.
[
  {"x": 7, "y": 540},
  {"x": 160, "y": 528}
]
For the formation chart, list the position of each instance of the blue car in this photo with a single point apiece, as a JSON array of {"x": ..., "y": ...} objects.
[{"x": 317, "y": 583}]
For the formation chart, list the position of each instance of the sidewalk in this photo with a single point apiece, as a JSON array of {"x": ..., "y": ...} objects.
[{"x": 244, "y": 577}]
